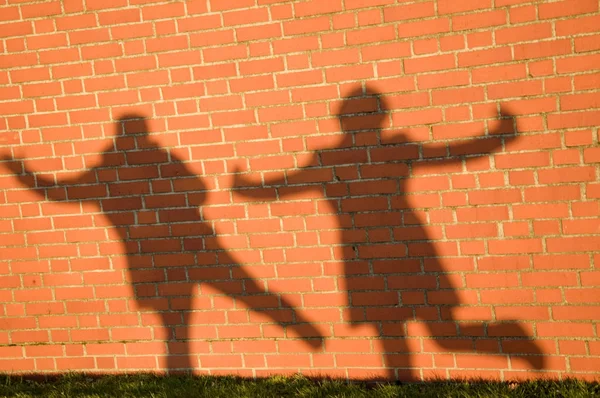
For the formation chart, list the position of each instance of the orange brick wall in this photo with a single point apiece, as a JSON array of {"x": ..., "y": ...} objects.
[{"x": 360, "y": 188}]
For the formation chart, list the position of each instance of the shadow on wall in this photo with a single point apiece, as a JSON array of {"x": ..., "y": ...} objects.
[
  {"x": 368, "y": 196},
  {"x": 155, "y": 212},
  {"x": 170, "y": 249}
]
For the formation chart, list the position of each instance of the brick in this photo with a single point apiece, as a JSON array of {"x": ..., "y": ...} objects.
[
  {"x": 558, "y": 85},
  {"x": 89, "y": 36},
  {"x": 370, "y": 35},
  {"x": 479, "y": 20},
  {"x": 572, "y": 244},
  {"x": 524, "y": 33},
  {"x": 132, "y": 31},
  {"x": 583, "y": 364},
  {"x": 15, "y": 29},
  {"x": 522, "y": 160},
  {"x": 10, "y": 14},
  {"x": 567, "y": 174},
  {"x": 479, "y": 39},
  {"x": 385, "y": 51},
  {"x": 546, "y": 210},
  {"x": 507, "y": 296},
  {"x": 495, "y": 196},
  {"x": 577, "y": 63},
  {"x": 255, "y": 83},
  {"x": 70, "y": 71},
  {"x": 47, "y": 41},
  {"x": 17, "y": 107},
  {"x": 261, "y": 66},
  {"x": 579, "y": 101},
  {"x": 15, "y": 60},
  {"x": 293, "y": 45},
  {"x": 444, "y": 79},
  {"x": 577, "y": 295},
  {"x": 101, "y": 51},
  {"x": 571, "y": 27},
  {"x": 259, "y": 32},
  {"x": 345, "y": 73},
  {"x": 225, "y": 53},
  {"x": 507, "y": 90},
  {"x": 451, "y": 7},
  {"x": 166, "y": 44},
  {"x": 531, "y": 106},
  {"x": 41, "y": 10},
  {"x": 335, "y": 57},
  {"x": 566, "y": 8},
  {"x": 552, "y": 193},
  {"x": 559, "y": 329},
  {"x": 118, "y": 16},
  {"x": 202, "y": 22},
  {"x": 99, "y": 4},
  {"x": 314, "y": 7},
  {"x": 457, "y": 96},
  {"x": 578, "y": 119},
  {"x": 428, "y": 64},
  {"x": 308, "y": 25},
  {"x": 163, "y": 11},
  {"x": 525, "y": 13},
  {"x": 587, "y": 43},
  {"x": 542, "y": 49},
  {"x": 409, "y": 11},
  {"x": 483, "y": 57},
  {"x": 423, "y": 28},
  {"x": 212, "y": 38}
]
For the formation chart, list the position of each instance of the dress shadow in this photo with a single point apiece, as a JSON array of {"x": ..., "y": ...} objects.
[{"x": 394, "y": 278}]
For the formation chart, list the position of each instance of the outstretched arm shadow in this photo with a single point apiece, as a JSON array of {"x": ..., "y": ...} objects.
[
  {"x": 45, "y": 187},
  {"x": 479, "y": 145}
]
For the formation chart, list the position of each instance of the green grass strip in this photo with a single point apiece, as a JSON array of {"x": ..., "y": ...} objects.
[{"x": 144, "y": 385}]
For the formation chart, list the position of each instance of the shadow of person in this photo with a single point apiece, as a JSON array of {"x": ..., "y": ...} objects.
[
  {"x": 402, "y": 267},
  {"x": 154, "y": 203}
]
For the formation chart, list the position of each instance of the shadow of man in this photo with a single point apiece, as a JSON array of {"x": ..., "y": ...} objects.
[
  {"x": 154, "y": 201},
  {"x": 402, "y": 269}
]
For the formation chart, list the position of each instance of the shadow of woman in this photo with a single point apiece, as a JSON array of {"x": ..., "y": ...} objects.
[
  {"x": 396, "y": 279},
  {"x": 153, "y": 201}
]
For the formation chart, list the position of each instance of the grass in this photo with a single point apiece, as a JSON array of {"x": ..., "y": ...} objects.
[{"x": 142, "y": 385}]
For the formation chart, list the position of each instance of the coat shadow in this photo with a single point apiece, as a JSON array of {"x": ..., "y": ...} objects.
[
  {"x": 154, "y": 203},
  {"x": 395, "y": 278}
]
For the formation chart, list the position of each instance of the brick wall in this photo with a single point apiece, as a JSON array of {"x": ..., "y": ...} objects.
[{"x": 357, "y": 188}]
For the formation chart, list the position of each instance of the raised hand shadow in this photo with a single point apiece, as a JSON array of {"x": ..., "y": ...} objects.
[
  {"x": 154, "y": 202},
  {"x": 415, "y": 260}
]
